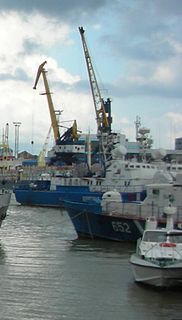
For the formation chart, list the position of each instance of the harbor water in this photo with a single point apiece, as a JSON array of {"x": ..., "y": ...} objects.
[{"x": 47, "y": 273}]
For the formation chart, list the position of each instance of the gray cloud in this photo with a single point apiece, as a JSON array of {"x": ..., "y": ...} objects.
[
  {"x": 30, "y": 46},
  {"x": 153, "y": 90},
  {"x": 20, "y": 74},
  {"x": 168, "y": 7},
  {"x": 72, "y": 10},
  {"x": 143, "y": 33},
  {"x": 145, "y": 29}
]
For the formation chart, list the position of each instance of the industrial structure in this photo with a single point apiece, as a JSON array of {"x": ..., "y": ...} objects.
[
  {"x": 107, "y": 139},
  {"x": 102, "y": 109},
  {"x": 67, "y": 144}
]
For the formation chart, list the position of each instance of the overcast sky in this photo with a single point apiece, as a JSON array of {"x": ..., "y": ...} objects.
[{"x": 136, "y": 49}]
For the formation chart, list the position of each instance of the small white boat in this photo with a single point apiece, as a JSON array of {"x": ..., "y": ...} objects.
[{"x": 158, "y": 257}]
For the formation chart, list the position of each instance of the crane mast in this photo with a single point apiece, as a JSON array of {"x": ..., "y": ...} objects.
[
  {"x": 54, "y": 122},
  {"x": 101, "y": 116}
]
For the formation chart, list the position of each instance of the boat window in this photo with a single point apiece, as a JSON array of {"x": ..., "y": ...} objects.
[
  {"x": 176, "y": 238},
  {"x": 143, "y": 166},
  {"x": 171, "y": 198},
  {"x": 137, "y": 166},
  {"x": 132, "y": 166},
  {"x": 148, "y": 166},
  {"x": 154, "y": 236},
  {"x": 155, "y": 192}
]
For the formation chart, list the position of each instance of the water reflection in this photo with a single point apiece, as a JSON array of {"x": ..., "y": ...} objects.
[
  {"x": 158, "y": 303},
  {"x": 2, "y": 254},
  {"x": 102, "y": 246},
  {"x": 46, "y": 274}
]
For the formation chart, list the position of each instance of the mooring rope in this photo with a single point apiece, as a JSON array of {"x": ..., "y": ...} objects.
[
  {"x": 88, "y": 223},
  {"x": 74, "y": 217},
  {"x": 89, "y": 227}
]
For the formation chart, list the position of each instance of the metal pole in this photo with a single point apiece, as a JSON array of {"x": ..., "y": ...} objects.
[{"x": 17, "y": 126}]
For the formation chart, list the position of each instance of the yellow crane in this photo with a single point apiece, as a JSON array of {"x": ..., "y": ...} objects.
[
  {"x": 54, "y": 122},
  {"x": 101, "y": 116}
]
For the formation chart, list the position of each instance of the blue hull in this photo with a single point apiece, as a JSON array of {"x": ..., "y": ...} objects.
[
  {"x": 89, "y": 222},
  {"x": 38, "y": 198},
  {"x": 41, "y": 195},
  {"x": 54, "y": 198}
]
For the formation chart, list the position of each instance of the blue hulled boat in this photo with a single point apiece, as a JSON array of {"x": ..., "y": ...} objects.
[
  {"x": 127, "y": 177},
  {"x": 40, "y": 193},
  {"x": 89, "y": 222},
  {"x": 114, "y": 219}
]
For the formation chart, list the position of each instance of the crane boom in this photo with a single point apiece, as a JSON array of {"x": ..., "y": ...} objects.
[
  {"x": 101, "y": 116},
  {"x": 54, "y": 122}
]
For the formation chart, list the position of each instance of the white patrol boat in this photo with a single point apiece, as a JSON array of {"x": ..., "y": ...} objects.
[{"x": 158, "y": 257}]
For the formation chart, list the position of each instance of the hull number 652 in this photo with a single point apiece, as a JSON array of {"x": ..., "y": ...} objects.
[{"x": 121, "y": 226}]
